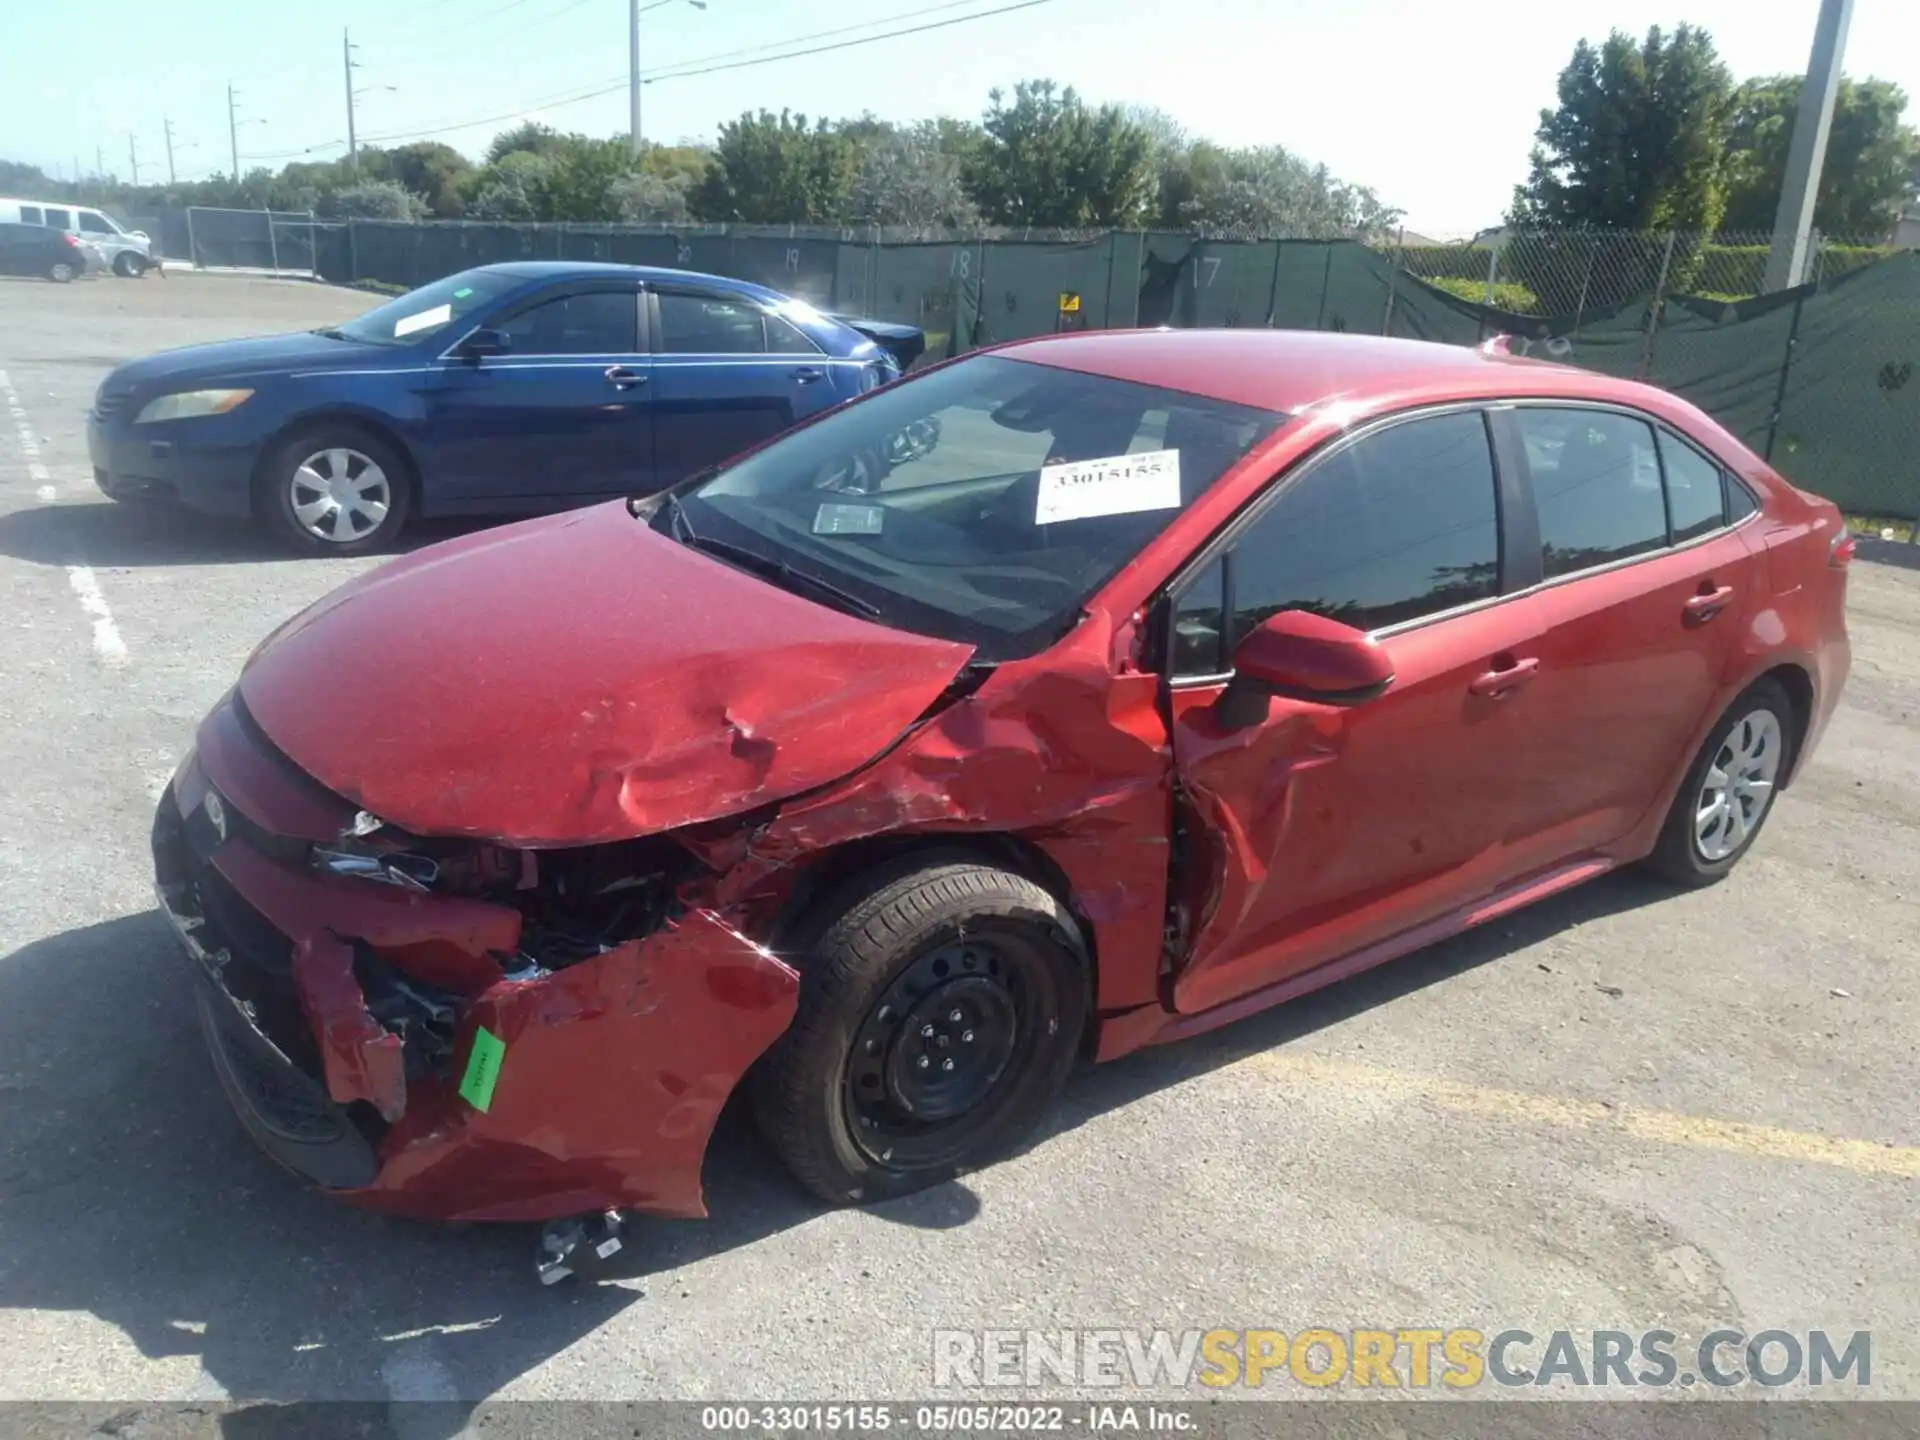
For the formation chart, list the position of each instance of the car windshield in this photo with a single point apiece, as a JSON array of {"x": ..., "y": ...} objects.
[
  {"x": 431, "y": 310},
  {"x": 984, "y": 502}
]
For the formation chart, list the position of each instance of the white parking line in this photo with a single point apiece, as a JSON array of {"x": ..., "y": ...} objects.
[{"x": 107, "y": 644}]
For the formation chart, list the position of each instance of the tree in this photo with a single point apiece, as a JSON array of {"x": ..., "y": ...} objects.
[
  {"x": 373, "y": 200},
  {"x": 778, "y": 169},
  {"x": 514, "y": 187},
  {"x": 530, "y": 136},
  {"x": 909, "y": 177},
  {"x": 1047, "y": 160},
  {"x": 644, "y": 198},
  {"x": 1870, "y": 164},
  {"x": 1263, "y": 190},
  {"x": 432, "y": 171},
  {"x": 1637, "y": 141}
]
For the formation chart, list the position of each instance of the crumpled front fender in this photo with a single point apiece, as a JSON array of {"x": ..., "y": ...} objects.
[{"x": 610, "y": 1077}]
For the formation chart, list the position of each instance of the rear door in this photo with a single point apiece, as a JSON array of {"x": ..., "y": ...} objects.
[
  {"x": 727, "y": 375},
  {"x": 1646, "y": 587},
  {"x": 564, "y": 415},
  {"x": 1322, "y": 830}
]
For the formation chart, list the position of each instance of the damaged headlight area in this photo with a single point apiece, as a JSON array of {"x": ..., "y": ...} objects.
[{"x": 575, "y": 903}]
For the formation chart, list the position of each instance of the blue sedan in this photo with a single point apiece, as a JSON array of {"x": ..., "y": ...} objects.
[{"x": 506, "y": 389}]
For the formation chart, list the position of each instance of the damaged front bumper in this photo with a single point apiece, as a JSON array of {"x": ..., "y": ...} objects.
[{"x": 370, "y": 1039}]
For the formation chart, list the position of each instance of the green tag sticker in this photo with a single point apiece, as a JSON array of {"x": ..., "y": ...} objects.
[
  {"x": 483, "y": 1068},
  {"x": 463, "y": 292}
]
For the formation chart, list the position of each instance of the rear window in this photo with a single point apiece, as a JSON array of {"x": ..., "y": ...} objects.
[{"x": 30, "y": 215}]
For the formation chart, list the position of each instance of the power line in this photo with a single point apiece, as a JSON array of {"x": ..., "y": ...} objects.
[
  {"x": 672, "y": 65},
  {"x": 847, "y": 44},
  {"x": 565, "y": 98}
]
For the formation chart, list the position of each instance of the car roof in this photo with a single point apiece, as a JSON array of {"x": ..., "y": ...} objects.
[
  {"x": 584, "y": 269},
  {"x": 1290, "y": 370}
]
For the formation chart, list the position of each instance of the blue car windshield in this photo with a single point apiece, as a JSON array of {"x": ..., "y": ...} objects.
[
  {"x": 985, "y": 501},
  {"x": 445, "y": 305}
]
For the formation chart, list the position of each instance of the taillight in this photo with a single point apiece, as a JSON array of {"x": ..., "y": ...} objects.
[
  {"x": 67, "y": 236},
  {"x": 1840, "y": 549}
]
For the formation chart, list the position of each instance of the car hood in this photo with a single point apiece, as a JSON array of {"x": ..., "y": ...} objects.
[
  {"x": 233, "y": 359},
  {"x": 578, "y": 679}
]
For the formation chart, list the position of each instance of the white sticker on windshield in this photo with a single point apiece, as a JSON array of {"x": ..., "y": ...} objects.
[
  {"x": 425, "y": 320},
  {"x": 837, "y": 519},
  {"x": 1116, "y": 485}
]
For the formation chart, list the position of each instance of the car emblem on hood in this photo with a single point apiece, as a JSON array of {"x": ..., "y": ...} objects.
[{"x": 216, "y": 815}]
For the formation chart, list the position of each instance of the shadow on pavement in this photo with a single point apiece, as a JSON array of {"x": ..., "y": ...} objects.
[
  {"x": 112, "y": 535},
  {"x": 129, "y": 1192}
]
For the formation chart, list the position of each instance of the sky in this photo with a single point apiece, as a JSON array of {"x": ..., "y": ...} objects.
[{"x": 1431, "y": 104}]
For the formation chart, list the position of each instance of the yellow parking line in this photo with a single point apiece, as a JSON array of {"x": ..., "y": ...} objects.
[{"x": 1863, "y": 1157}]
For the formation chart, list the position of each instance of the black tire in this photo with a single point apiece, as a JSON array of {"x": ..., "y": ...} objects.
[
  {"x": 273, "y": 505},
  {"x": 1677, "y": 855},
  {"x": 62, "y": 272},
  {"x": 128, "y": 266},
  {"x": 926, "y": 940}
]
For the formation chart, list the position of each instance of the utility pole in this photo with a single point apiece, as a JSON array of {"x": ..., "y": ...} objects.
[
  {"x": 233, "y": 134},
  {"x": 166, "y": 128},
  {"x": 346, "y": 57},
  {"x": 133, "y": 158},
  {"x": 633, "y": 77},
  {"x": 100, "y": 161},
  {"x": 1792, "y": 222}
]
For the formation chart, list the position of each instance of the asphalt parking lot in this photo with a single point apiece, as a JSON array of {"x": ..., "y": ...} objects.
[{"x": 1624, "y": 1109}]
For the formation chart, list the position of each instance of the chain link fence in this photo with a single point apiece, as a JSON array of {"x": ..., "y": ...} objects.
[
  {"x": 1822, "y": 379},
  {"x": 281, "y": 242}
]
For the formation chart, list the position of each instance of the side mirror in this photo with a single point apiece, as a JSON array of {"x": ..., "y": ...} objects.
[
  {"x": 1302, "y": 656},
  {"x": 486, "y": 342}
]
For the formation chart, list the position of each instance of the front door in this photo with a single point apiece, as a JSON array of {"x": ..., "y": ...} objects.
[
  {"x": 727, "y": 375},
  {"x": 1322, "y": 830},
  {"x": 563, "y": 416}
]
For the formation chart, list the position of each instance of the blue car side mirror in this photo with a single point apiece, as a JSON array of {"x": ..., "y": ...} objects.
[{"x": 486, "y": 342}]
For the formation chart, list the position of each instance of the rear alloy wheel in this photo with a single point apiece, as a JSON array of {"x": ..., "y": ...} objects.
[
  {"x": 62, "y": 271},
  {"x": 336, "y": 491},
  {"x": 941, "y": 1008},
  {"x": 1729, "y": 789}
]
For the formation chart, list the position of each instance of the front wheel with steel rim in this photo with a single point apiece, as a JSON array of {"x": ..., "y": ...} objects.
[
  {"x": 942, "y": 1003},
  {"x": 129, "y": 266},
  {"x": 335, "y": 491},
  {"x": 1729, "y": 789}
]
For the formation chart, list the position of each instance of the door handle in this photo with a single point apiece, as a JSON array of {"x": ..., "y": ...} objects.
[
  {"x": 1708, "y": 603},
  {"x": 623, "y": 377},
  {"x": 1499, "y": 681},
  {"x": 807, "y": 374}
]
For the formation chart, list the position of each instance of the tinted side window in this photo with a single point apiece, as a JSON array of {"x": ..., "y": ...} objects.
[
  {"x": 1596, "y": 481},
  {"x": 709, "y": 325},
  {"x": 59, "y": 219},
  {"x": 601, "y": 322},
  {"x": 1398, "y": 525},
  {"x": 1195, "y": 648},
  {"x": 784, "y": 338},
  {"x": 1740, "y": 501},
  {"x": 30, "y": 215},
  {"x": 1694, "y": 503},
  {"x": 93, "y": 223}
]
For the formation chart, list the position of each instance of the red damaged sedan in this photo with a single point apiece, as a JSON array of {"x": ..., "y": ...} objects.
[{"x": 1073, "y": 696}]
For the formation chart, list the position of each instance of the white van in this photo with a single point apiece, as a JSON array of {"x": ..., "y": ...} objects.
[{"x": 129, "y": 252}]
